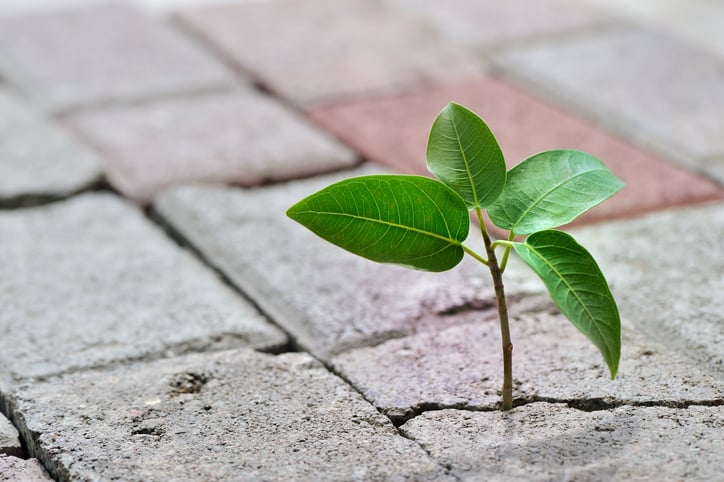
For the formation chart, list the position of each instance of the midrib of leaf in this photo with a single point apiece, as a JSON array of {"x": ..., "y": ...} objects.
[
  {"x": 542, "y": 196},
  {"x": 575, "y": 294},
  {"x": 465, "y": 160},
  {"x": 386, "y": 223}
]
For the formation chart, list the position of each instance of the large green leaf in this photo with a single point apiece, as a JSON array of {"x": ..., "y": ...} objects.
[
  {"x": 578, "y": 287},
  {"x": 463, "y": 153},
  {"x": 408, "y": 220},
  {"x": 550, "y": 189}
]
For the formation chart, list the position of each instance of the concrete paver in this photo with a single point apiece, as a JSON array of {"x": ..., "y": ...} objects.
[
  {"x": 461, "y": 367},
  {"x": 241, "y": 137},
  {"x": 102, "y": 53},
  {"x": 544, "y": 441},
  {"x": 666, "y": 270},
  {"x": 90, "y": 281},
  {"x": 487, "y": 22},
  {"x": 330, "y": 300},
  {"x": 358, "y": 47},
  {"x": 13, "y": 469},
  {"x": 37, "y": 158},
  {"x": 393, "y": 130},
  {"x": 645, "y": 84},
  {"x": 226, "y": 416},
  {"x": 9, "y": 439}
]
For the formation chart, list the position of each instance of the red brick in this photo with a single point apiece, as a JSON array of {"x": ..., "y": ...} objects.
[
  {"x": 240, "y": 137},
  {"x": 322, "y": 49},
  {"x": 394, "y": 130},
  {"x": 105, "y": 53}
]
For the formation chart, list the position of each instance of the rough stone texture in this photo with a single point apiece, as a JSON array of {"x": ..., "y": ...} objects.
[
  {"x": 667, "y": 270},
  {"x": 553, "y": 442},
  {"x": 90, "y": 281},
  {"x": 486, "y": 22},
  {"x": 235, "y": 415},
  {"x": 9, "y": 438},
  {"x": 330, "y": 300},
  {"x": 394, "y": 130},
  {"x": 646, "y": 84},
  {"x": 462, "y": 367},
  {"x": 329, "y": 49},
  {"x": 37, "y": 158},
  {"x": 13, "y": 469},
  {"x": 241, "y": 137},
  {"x": 100, "y": 54}
]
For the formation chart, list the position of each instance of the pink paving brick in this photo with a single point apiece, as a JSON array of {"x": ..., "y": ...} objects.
[
  {"x": 321, "y": 49},
  {"x": 488, "y": 22},
  {"x": 394, "y": 130},
  {"x": 241, "y": 137},
  {"x": 102, "y": 53}
]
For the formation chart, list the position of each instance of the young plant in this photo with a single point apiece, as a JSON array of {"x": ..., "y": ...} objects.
[{"x": 421, "y": 223}]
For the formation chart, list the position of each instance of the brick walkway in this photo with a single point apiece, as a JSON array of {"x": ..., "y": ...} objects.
[{"x": 161, "y": 319}]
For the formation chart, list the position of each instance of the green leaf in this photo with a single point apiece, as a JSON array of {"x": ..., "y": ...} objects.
[
  {"x": 578, "y": 287},
  {"x": 463, "y": 154},
  {"x": 550, "y": 189},
  {"x": 408, "y": 220}
]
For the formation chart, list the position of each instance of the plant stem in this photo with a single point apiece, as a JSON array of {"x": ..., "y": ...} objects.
[{"x": 497, "y": 276}]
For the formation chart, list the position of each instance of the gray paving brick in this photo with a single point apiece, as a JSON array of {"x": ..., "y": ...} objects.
[
  {"x": 9, "y": 438},
  {"x": 38, "y": 158},
  {"x": 328, "y": 299},
  {"x": 90, "y": 281},
  {"x": 227, "y": 416},
  {"x": 462, "y": 367},
  {"x": 241, "y": 137},
  {"x": 13, "y": 469},
  {"x": 102, "y": 53},
  {"x": 645, "y": 84},
  {"x": 489, "y": 22},
  {"x": 553, "y": 442},
  {"x": 329, "y": 49},
  {"x": 667, "y": 272}
]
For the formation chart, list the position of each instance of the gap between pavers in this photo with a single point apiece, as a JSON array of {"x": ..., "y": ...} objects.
[
  {"x": 326, "y": 298},
  {"x": 90, "y": 281},
  {"x": 330, "y": 49},
  {"x": 461, "y": 367},
  {"x": 642, "y": 83},
  {"x": 14, "y": 469},
  {"x": 544, "y": 441},
  {"x": 103, "y": 53},
  {"x": 38, "y": 159},
  {"x": 9, "y": 438},
  {"x": 224, "y": 416},
  {"x": 241, "y": 136},
  {"x": 393, "y": 130}
]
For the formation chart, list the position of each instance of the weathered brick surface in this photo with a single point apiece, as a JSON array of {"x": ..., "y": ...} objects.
[
  {"x": 241, "y": 137},
  {"x": 461, "y": 367},
  {"x": 393, "y": 130},
  {"x": 13, "y": 469},
  {"x": 330, "y": 300},
  {"x": 101, "y": 53},
  {"x": 37, "y": 157},
  {"x": 648, "y": 85},
  {"x": 489, "y": 22},
  {"x": 323, "y": 49},
  {"x": 234, "y": 415},
  {"x": 545, "y": 441},
  {"x": 9, "y": 439},
  {"x": 90, "y": 281}
]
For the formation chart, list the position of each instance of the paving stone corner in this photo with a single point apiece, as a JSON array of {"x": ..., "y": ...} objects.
[
  {"x": 215, "y": 416},
  {"x": 14, "y": 469},
  {"x": 149, "y": 297},
  {"x": 9, "y": 438}
]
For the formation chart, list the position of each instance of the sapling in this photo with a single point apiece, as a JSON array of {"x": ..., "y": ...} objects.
[{"x": 422, "y": 223}]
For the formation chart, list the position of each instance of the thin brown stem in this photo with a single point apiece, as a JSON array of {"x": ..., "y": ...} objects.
[{"x": 497, "y": 276}]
